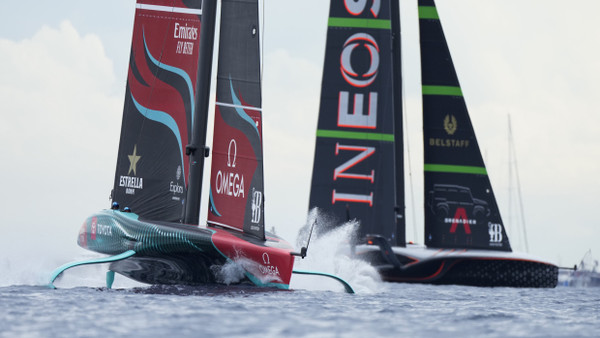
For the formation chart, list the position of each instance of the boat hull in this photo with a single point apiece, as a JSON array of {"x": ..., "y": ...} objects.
[
  {"x": 173, "y": 253},
  {"x": 461, "y": 267}
]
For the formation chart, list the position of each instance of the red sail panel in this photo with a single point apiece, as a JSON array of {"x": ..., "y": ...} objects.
[
  {"x": 151, "y": 174},
  {"x": 236, "y": 179},
  {"x": 236, "y": 185}
]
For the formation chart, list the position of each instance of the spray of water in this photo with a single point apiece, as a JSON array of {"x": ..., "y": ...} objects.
[
  {"x": 233, "y": 271},
  {"x": 330, "y": 251},
  {"x": 229, "y": 273}
]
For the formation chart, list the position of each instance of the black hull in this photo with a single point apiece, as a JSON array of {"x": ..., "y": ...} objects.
[{"x": 461, "y": 267}]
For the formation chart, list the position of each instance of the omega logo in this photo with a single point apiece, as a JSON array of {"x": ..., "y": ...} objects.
[{"x": 232, "y": 146}]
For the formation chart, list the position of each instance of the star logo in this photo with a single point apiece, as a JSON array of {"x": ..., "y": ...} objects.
[{"x": 133, "y": 160}]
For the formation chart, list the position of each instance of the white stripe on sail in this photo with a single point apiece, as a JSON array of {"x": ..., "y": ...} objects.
[
  {"x": 238, "y": 106},
  {"x": 169, "y": 9}
]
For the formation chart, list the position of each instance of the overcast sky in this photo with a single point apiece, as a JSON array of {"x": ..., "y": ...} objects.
[{"x": 63, "y": 67}]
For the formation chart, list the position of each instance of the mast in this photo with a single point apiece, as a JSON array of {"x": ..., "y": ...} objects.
[
  {"x": 399, "y": 208},
  {"x": 197, "y": 149}
]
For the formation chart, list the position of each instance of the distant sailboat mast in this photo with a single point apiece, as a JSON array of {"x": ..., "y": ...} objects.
[{"x": 512, "y": 166}]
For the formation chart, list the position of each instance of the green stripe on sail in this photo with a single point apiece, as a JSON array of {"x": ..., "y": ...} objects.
[
  {"x": 460, "y": 169},
  {"x": 442, "y": 90},
  {"x": 360, "y": 23},
  {"x": 428, "y": 12},
  {"x": 355, "y": 135}
]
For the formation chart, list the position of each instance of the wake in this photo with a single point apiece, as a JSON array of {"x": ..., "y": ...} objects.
[{"x": 329, "y": 252}]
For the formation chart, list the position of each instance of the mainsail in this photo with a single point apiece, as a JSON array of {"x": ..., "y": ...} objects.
[
  {"x": 460, "y": 208},
  {"x": 354, "y": 173},
  {"x": 151, "y": 173},
  {"x": 236, "y": 185}
]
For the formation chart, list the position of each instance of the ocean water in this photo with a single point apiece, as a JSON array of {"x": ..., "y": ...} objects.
[
  {"x": 314, "y": 307},
  {"x": 394, "y": 310}
]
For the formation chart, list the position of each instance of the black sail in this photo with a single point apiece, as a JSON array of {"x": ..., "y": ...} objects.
[
  {"x": 354, "y": 174},
  {"x": 236, "y": 185},
  {"x": 152, "y": 169},
  {"x": 460, "y": 207}
]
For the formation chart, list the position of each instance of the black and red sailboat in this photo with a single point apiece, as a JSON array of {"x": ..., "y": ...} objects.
[
  {"x": 359, "y": 171},
  {"x": 152, "y": 231}
]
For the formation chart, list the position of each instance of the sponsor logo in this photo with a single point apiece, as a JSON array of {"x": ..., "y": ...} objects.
[
  {"x": 341, "y": 171},
  {"x": 133, "y": 160},
  {"x": 460, "y": 217},
  {"x": 104, "y": 230},
  {"x": 364, "y": 153},
  {"x": 185, "y": 32},
  {"x": 356, "y": 7},
  {"x": 130, "y": 183},
  {"x": 357, "y": 97},
  {"x": 356, "y": 198},
  {"x": 448, "y": 143},
  {"x": 495, "y": 231},
  {"x": 256, "y": 206},
  {"x": 232, "y": 148},
  {"x": 93, "y": 228},
  {"x": 267, "y": 268},
  {"x": 178, "y": 172},
  {"x": 357, "y": 119},
  {"x": 230, "y": 183},
  {"x": 99, "y": 229},
  {"x": 175, "y": 188},
  {"x": 450, "y": 124},
  {"x": 348, "y": 72}
]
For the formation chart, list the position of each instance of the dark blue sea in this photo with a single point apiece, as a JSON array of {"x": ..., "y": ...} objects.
[{"x": 82, "y": 306}]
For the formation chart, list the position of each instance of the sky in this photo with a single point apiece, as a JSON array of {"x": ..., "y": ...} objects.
[{"x": 63, "y": 67}]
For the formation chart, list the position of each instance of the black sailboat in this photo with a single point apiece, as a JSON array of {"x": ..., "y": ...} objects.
[
  {"x": 152, "y": 230},
  {"x": 359, "y": 171}
]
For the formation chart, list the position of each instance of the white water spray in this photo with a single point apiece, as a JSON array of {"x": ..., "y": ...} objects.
[
  {"x": 234, "y": 271},
  {"x": 329, "y": 252}
]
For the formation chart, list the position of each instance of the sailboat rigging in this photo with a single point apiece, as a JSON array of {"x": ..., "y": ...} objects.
[
  {"x": 359, "y": 169},
  {"x": 152, "y": 230}
]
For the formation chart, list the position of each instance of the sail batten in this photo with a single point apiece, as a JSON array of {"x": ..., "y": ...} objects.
[
  {"x": 462, "y": 169},
  {"x": 355, "y": 135},
  {"x": 442, "y": 90},
  {"x": 428, "y": 12},
  {"x": 359, "y": 23}
]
